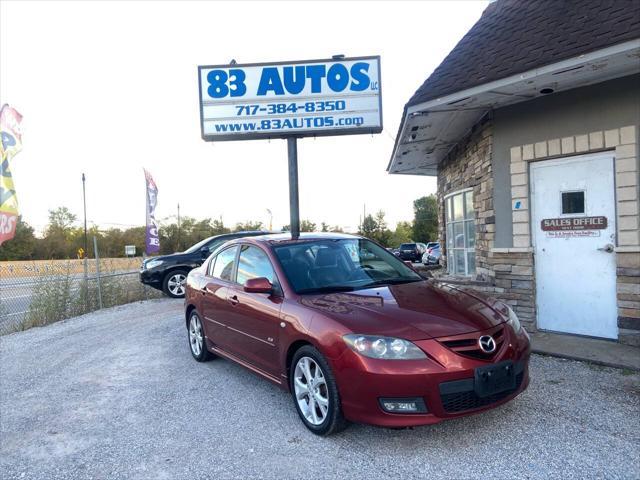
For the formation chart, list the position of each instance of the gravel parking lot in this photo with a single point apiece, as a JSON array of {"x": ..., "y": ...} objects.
[{"x": 116, "y": 394}]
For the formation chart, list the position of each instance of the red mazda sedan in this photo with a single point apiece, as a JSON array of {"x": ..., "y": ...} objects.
[{"x": 353, "y": 333}]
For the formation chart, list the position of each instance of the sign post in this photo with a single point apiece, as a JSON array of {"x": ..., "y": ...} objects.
[
  {"x": 290, "y": 100},
  {"x": 294, "y": 206}
]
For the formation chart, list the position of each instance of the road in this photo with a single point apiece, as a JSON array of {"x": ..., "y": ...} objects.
[
  {"x": 16, "y": 295},
  {"x": 15, "y": 298},
  {"x": 116, "y": 394}
]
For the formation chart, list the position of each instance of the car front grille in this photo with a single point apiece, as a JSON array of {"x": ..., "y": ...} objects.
[
  {"x": 468, "y": 400},
  {"x": 468, "y": 346}
]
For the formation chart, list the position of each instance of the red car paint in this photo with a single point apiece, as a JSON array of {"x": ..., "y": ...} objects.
[{"x": 262, "y": 331}]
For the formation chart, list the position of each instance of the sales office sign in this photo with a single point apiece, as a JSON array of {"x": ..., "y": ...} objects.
[
  {"x": 573, "y": 226},
  {"x": 307, "y": 98}
]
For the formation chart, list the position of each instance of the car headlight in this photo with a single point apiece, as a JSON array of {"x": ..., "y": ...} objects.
[
  {"x": 153, "y": 263},
  {"x": 386, "y": 348},
  {"x": 513, "y": 320}
]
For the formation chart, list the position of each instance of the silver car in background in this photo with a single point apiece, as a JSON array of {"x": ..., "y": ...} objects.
[{"x": 432, "y": 255}]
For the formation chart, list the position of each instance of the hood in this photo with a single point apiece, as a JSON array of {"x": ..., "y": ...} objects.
[{"x": 413, "y": 311}]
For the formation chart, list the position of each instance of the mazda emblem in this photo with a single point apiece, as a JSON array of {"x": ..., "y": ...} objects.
[{"x": 487, "y": 344}]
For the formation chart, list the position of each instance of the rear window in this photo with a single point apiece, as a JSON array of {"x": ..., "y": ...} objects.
[{"x": 407, "y": 246}]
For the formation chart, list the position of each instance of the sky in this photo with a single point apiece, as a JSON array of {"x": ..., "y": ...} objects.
[{"x": 110, "y": 88}]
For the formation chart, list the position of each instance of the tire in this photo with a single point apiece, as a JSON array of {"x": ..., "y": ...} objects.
[
  {"x": 174, "y": 283},
  {"x": 308, "y": 361},
  {"x": 195, "y": 336}
]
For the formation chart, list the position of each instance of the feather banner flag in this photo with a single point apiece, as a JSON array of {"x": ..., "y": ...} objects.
[
  {"x": 152, "y": 242},
  {"x": 10, "y": 145}
]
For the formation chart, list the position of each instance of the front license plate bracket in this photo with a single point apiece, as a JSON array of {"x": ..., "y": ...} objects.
[{"x": 493, "y": 379}]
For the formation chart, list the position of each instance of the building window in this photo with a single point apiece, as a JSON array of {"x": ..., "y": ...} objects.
[
  {"x": 461, "y": 233},
  {"x": 572, "y": 202}
]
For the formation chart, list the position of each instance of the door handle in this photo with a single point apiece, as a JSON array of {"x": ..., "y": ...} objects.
[
  {"x": 233, "y": 300},
  {"x": 607, "y": 248}
]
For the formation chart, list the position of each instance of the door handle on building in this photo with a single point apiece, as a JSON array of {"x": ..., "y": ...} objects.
[{"x": 607, "y": 248}]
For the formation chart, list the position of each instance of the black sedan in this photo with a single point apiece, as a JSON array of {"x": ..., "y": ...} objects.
[{"x": 169, "y": 272}]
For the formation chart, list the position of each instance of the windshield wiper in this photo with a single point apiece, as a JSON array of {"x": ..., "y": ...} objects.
[
  {"x": 328, "y": 289},
  {"x": 391, "y": 281}
]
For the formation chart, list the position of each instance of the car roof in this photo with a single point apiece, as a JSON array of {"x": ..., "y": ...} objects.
[
  {"x": 285, "y": 237},
  {"x": 248, "y": 233}
]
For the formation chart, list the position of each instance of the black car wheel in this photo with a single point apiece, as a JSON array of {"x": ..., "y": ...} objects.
[
  {"x": 174, "y": 283},
  {"x": 315, "y": 392}
]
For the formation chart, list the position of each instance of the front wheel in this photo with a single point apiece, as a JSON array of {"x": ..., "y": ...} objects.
[
  {"x": 174, "y": 283},
  {"x": 315, "y": 392}
]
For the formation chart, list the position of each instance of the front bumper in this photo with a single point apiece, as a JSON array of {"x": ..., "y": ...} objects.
[
  {"x": 431, "y": 260},
  {"x": 444, "y": 381},
  {"x": 151, "y": 277}
]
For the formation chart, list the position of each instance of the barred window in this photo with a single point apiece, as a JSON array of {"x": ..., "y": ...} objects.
[{"x": 461, "y": 233}]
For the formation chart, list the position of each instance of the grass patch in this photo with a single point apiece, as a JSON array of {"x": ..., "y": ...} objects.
[{"x": 65, "y": 294}]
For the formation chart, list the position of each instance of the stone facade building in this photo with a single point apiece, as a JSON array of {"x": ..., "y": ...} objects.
[{"x": 534, "y": 141}]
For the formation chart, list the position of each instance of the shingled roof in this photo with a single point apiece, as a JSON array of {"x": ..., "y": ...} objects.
[{"x": 514, "y": 36}]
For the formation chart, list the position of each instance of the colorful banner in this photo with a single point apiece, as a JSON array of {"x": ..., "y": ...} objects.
[
  {"x": 10, "y": 145},
  {"x": 152, "y": 241}
]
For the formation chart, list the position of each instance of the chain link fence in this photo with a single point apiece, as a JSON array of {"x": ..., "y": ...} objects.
[{"x": 39, "y": 293}]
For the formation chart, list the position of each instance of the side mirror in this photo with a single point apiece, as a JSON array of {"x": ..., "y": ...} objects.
[
  {"x": 258, "y": 285},
  {"x": 204, "y": 251}
]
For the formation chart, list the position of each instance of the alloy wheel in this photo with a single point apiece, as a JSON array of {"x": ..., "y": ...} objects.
[
  {"x": 176, "y": 284},
  {"x": 195, "y": 335},
  {"x": 311, "y": 390}
]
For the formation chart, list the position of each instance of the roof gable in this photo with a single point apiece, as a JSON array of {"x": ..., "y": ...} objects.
[{"x": 514, "y": 36}]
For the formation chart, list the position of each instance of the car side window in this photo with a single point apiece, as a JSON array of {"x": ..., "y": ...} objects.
[
  {"x": 222, "y": 265},
  {"x": 254, "y": 263}
]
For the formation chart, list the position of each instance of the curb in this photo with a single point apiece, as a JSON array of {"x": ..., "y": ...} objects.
[{"x": 586, "y": 360}]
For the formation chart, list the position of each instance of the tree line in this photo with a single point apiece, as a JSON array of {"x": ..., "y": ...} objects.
[{"x": 63, "y": 238}]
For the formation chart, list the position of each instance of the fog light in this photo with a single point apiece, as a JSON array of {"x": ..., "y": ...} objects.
[{"x": 403, "y": 405}]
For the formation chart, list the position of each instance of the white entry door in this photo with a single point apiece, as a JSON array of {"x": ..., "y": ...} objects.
[{"x": 573, "y": 230}]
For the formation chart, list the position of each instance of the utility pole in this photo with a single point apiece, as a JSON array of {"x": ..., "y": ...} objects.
[
  {"x": 270, "y": 219},
  {"x": 85, "y": 266},
  {"x": 364, "y": 214},
  {"x": 178, "y": 249},
  {"x": 84, "y": 201}
]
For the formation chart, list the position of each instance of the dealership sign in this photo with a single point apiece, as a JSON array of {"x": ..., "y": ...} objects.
[{"x": 273, "y": 100}]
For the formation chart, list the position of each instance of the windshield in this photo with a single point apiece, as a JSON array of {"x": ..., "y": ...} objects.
[
  {"x": 341, "y": 265},
  {"x": 408, "y": 246},
  {"x": 198, "y": 246}
]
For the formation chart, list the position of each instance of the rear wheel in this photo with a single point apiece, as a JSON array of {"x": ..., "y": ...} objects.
[
  {"x": 197, "y": 343},
  {"x": 315, "y": 392},
  {"x": 174, "y": 283}
]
